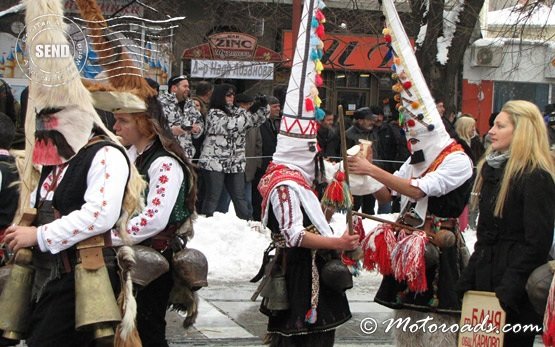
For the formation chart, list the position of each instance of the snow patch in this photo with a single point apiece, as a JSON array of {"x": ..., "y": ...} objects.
[{"x": 450, "y": 20}]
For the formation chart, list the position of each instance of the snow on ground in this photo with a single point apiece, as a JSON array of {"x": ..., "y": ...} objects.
[{"x": 234, "y": 250}]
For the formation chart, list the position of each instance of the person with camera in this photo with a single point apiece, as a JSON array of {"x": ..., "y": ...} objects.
[
  {"x": 223, "y": 152},
  {"x": 185, "y": 121}
]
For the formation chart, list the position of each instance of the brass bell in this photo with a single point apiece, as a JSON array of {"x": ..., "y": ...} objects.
[
  {"x": 95, "y": 302},
  {"x": 15, "y": 300},
  {"x": 276, "y": 293}
]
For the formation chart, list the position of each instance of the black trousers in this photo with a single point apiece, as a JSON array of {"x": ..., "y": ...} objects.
[
  {"x": 214, "y": 183},
  {"x": 367, "y": 203},
  {"x": 152, "y": 303},
  {"x": 323, "y": 339}
]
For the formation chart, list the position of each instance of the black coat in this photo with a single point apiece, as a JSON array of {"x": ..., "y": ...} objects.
[
  {"x": 508, "y": 249},
  {"x": 269, "y": 132}
]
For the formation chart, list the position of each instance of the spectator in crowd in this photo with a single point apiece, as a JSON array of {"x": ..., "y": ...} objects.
[
  {"x": 515, "y": 192},
  {"x": 268, "y": 131},
  {"x": 447, "y": 119},
  {"x": 184, "y": 119},
  {"x": 465, "y": 127},
  {"x": 487, "y": 139},
  {"x": 9, "y": 195},
  {"x": 363, "y": 129},
  {"x": 203, "y": 93},
  {"x": 551, "y": 129},
  {"x": 391, "y": 147},
  {"x": 153, "y": 84},
  {"x": 223, "y": 151},
  {"x": 328, "y": 137}
]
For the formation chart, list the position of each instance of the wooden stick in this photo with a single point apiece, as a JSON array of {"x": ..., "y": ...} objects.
[
  {"x": 341, "y": 117},
  {"x": 378, "y": 219}
]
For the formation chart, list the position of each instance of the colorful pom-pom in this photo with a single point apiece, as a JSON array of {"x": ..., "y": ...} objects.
[
  {"x": 340, "y": 176},
  {"x": 309, "y": 104},
  {"x": 397, "y": 97},
  {"x": 320, "y": 31},
  {"x": 394, "y": 76},
  {"x": 314, "y": 54},
  {"x": 320, "y": 16},
  {"x": 420, "y": 116},
  {"x": 415, "y": 105},
  {"x": 319, "y": 114},
  {"x": 387, "y": 38},
  {"x": 403, "y": 75},
  {"x": 318, "y": 101},
  {"x": 407, "y": 85},
  {"x": 319, "y": 66},
  {"x": 397, "y": 88},
  {"x": 315, "y": 22},
  {"x": 397, "y": 61},
  {"x": 401, "y": 108},
  {"x": 393, "y": 68},
  {"x": 386, "y": 31},
  {"x": 411, "y": 123},
  {"x": 431, "y": 127},
  {"x": 319, "y": 80}
]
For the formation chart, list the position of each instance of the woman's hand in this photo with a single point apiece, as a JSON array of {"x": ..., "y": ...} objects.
[
  {"x": 359, "y": 166},
  {"x": 348, "y": 242},
  {"x": 17, "y": 237}
]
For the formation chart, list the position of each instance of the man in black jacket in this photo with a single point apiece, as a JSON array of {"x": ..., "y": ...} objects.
[{"x": 269, "y": 131}]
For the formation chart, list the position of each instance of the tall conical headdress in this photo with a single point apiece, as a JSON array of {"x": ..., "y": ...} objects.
[
  {"x": 296, "y": 144},
  {"x": 417, "y": 110}
]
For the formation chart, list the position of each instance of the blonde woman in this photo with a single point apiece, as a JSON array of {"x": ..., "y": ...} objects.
[
  {"x": 466, "y": 129},
  {"x": 515, "y": 191}
]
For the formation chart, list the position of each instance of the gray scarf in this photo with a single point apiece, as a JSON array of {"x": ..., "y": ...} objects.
[{"x": 496, "y": 159}]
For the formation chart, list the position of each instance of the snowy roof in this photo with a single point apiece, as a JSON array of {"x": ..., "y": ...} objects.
[{"x": 536, "y": 14}]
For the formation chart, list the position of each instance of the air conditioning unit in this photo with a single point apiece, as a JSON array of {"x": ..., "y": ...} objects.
[
  {"x": 550, "y": 62},
  {"x": 487, "y": 56}
]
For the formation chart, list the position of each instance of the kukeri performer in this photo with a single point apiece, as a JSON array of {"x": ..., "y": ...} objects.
[
  {"x": 434, "y": 184},
  {"x": 165, "y": 222},
  {"x": 303, "y": 306},
  {"x": 86, "y": 186}
]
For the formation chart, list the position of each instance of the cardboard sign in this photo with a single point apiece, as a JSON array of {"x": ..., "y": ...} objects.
[{"x": 482, "y": 320}]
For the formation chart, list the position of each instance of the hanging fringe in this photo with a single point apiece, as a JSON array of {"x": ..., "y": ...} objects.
[
  {"x": 549, "y": 315},
  {"x": 309, "y": 104},
  {"x": 337, "y": 194},
  {"x": 311, "y": 314},
  {"x": 408, "y": 261},
  {"x": 377, "y": 247},
  {"x": 127, "y": 334}
]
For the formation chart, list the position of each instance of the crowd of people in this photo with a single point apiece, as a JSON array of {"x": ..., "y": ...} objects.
[{"x": 178, "y": 152}]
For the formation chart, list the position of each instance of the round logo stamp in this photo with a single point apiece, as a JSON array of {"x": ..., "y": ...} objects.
[{"x": 55, "y": 50}]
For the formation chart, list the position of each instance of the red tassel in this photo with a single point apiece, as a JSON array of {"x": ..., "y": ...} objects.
[
  {"x": 320, "y": 16},
  {"x": 334, "y": 192},
  {"x": 319, "y": 80},
  {"x": 320, "y": 31},
  {"x": 549, "y": 317},
  {"x": 311, "y": 316},
  {"x": 408, "y": 262},
  {"x": 309, "y": 104},
  {"x": 377, "y": 247}
]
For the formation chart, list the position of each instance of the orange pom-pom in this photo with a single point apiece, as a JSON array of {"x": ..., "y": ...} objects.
[
  {"x": 415, "y": 104},
  {"x": 397, "y": 61}
]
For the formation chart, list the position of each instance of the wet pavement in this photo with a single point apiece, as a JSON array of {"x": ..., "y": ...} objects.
[{"x": 227, "y": 317}]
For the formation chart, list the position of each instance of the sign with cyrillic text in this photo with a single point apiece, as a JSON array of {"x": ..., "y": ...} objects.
[
  {"x": 246, "y": 70},
  {"x": 483, "y": 318}
]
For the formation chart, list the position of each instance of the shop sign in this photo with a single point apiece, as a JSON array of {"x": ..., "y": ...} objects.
[
  {"x": 232, "y": 46},
  {"x": 347, "y": 52},
  {"x": 232, "y": 69}
]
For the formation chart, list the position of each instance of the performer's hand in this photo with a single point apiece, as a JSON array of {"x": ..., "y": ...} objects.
[
  {"x": 17, "y": 237},
  {"x": 348, "y": 242},
  {"x": 359, "y": 166}
]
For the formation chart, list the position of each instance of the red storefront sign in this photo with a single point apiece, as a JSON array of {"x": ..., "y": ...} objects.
[
  {"x": 347, "y": 52},
  {"x": 232, "y": 46}
]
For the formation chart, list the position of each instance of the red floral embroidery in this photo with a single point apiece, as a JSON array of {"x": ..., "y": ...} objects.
[
  {"x": 163, "y": 179},
  {"x": 166, "y": 166},
  {"x": 143, "y": 222},
  {"x": 64, "y": 242},
  {"x": 91, "y": 227},
  {"x": 134, "y": 228},
  {"x": 96, "y": 214},
  {"x": 107, "y": 175},
  {"x": 156, "y": 201},
  {"x": 104, "y": 203},
  {"x": 150, "y": 213},
  {"x": 102, "y": 190},
  {"x": 75, "y": 232},
  {"x": 103, "y": 162},
  {"x": 161, "y": 190},
  {"x": 49, "y": 241}
]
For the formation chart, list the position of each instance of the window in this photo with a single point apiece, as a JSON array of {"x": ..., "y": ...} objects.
[{"x": 537, "y": 93}]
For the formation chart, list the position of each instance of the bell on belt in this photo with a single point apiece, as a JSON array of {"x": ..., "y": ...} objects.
[
  {"x": 15, "y": 300},
  {"x": 95, "y": 302}
]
